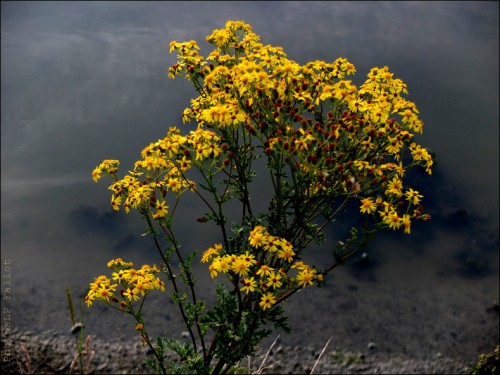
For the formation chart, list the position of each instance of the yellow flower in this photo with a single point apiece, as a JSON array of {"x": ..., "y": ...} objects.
[
  {"x": 286, "y": 252},
  {"x": 305, "y": 278},
  {"x": 213, "y": 271},
  {"x": 274, "y": 280},
  {"x": 109, "y": 166},
  {"x": 264, "y": 270},
  {"x": 406, "y": 222},
  {"x": 210, "y": 252},
  {"x": 119, "y": 276},
  {"x": 418, "y": 152},
  {"x": 148, "y": 269},
  {"x": 105, "y": 292},
  {"x": 219, "y": 37},
  {"x": 249, "y": 285},
  {"x": 394, "y": 187},
  {"x": 300, "y": 265},
  {"x": 367, "y": 206},
  {"x": 184, "y": 164},
  {"x": 119, "y": 262},
  {"x": 161, "y": 209},
  {"x": 96, "y": 174},
  {"x": 98, "y": 282},
  {"x": 116, "y": 202},
  {"x": 240, "y": 266},
  {"x": 89, "y": 298},
  {"x": 394, "y": 146},
  {"x": 256, "y": 240},
  {"x": 249, "y": 258},
  {"x": 131, "y": 275},
  {"x": 202, "y": 151},
  {"x": 159, "y": 284},
  {"x": 413, "y": 196},
  {"x": 349, "y": 68},
  {"x": 174, "y": 184},
  {"x": 393, "y": 220},
  {"x": 131, "y": 294},
  {"x": 271, "y": 243},
  {"x": 140, "y": 286},
  {"x": 223, "y": 264},
  {"x": 267, "y": 301}
]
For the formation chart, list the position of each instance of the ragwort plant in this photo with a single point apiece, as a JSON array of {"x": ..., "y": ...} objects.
[{"x": 325, "y": 143}]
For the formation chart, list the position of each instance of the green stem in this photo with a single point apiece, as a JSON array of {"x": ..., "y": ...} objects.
[
  {"x": 146, "y": 338},
  {"x": 172, "y": 277},
  {"x": 190, "y": 284}
]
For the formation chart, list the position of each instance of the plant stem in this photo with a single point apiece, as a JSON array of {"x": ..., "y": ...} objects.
[{"x": 172, "y": 277}]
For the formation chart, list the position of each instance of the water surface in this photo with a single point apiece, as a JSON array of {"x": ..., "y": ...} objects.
[{"x": 86, "y": 81}]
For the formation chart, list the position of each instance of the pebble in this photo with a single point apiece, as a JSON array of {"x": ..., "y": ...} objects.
[{"x": 77, "y": 327}]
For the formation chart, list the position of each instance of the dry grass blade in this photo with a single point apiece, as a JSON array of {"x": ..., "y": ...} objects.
[
  {"x": 266, "y": 367},
  {"x": 28, "y": 361},
  {"x": 262, "y": 367},
  {"x": 80, "y": 355},
  {"x": 320, "y": 354},
  {"x": 90, "y": 353}
]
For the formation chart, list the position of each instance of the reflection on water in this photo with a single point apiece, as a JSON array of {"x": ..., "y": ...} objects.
[{"x": 82, "y": 82}]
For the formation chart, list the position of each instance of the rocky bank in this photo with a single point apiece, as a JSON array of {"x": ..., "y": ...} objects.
[{"x": 50, "y": 352}]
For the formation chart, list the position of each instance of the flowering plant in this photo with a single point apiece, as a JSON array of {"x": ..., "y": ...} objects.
[{"x": 326, "y": 143}]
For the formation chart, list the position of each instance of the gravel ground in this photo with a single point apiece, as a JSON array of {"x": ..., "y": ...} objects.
[
  {"x": 50, "y": 352},
  {"x": 439, "y": 326}
]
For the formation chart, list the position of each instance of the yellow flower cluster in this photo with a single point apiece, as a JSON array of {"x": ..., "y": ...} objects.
[
  {"x": 356, "y": 149},
  {"x": 162, "y": 169},
  {"x": 135, "y": 284},
  {"x": 266, "y": 276},
  {"x": 338, "y": 138},
  {"x": 326, "y": 142},
  {"x": 390, "y": 215},
  {"x": 108, "y": 166}
]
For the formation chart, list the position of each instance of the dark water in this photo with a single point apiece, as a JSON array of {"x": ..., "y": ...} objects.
[{"x": 86, "y": 81}]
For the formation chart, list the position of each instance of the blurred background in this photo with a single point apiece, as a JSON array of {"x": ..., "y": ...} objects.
[{"x": 86, "y": 81}]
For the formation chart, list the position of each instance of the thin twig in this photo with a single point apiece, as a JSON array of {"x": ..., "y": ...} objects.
[{"x": 320, "y": 354}]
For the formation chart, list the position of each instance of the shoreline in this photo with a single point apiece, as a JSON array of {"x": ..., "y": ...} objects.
[
  {"x": 50, "y": 352},
  {"x": 376, "y": 329}
]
